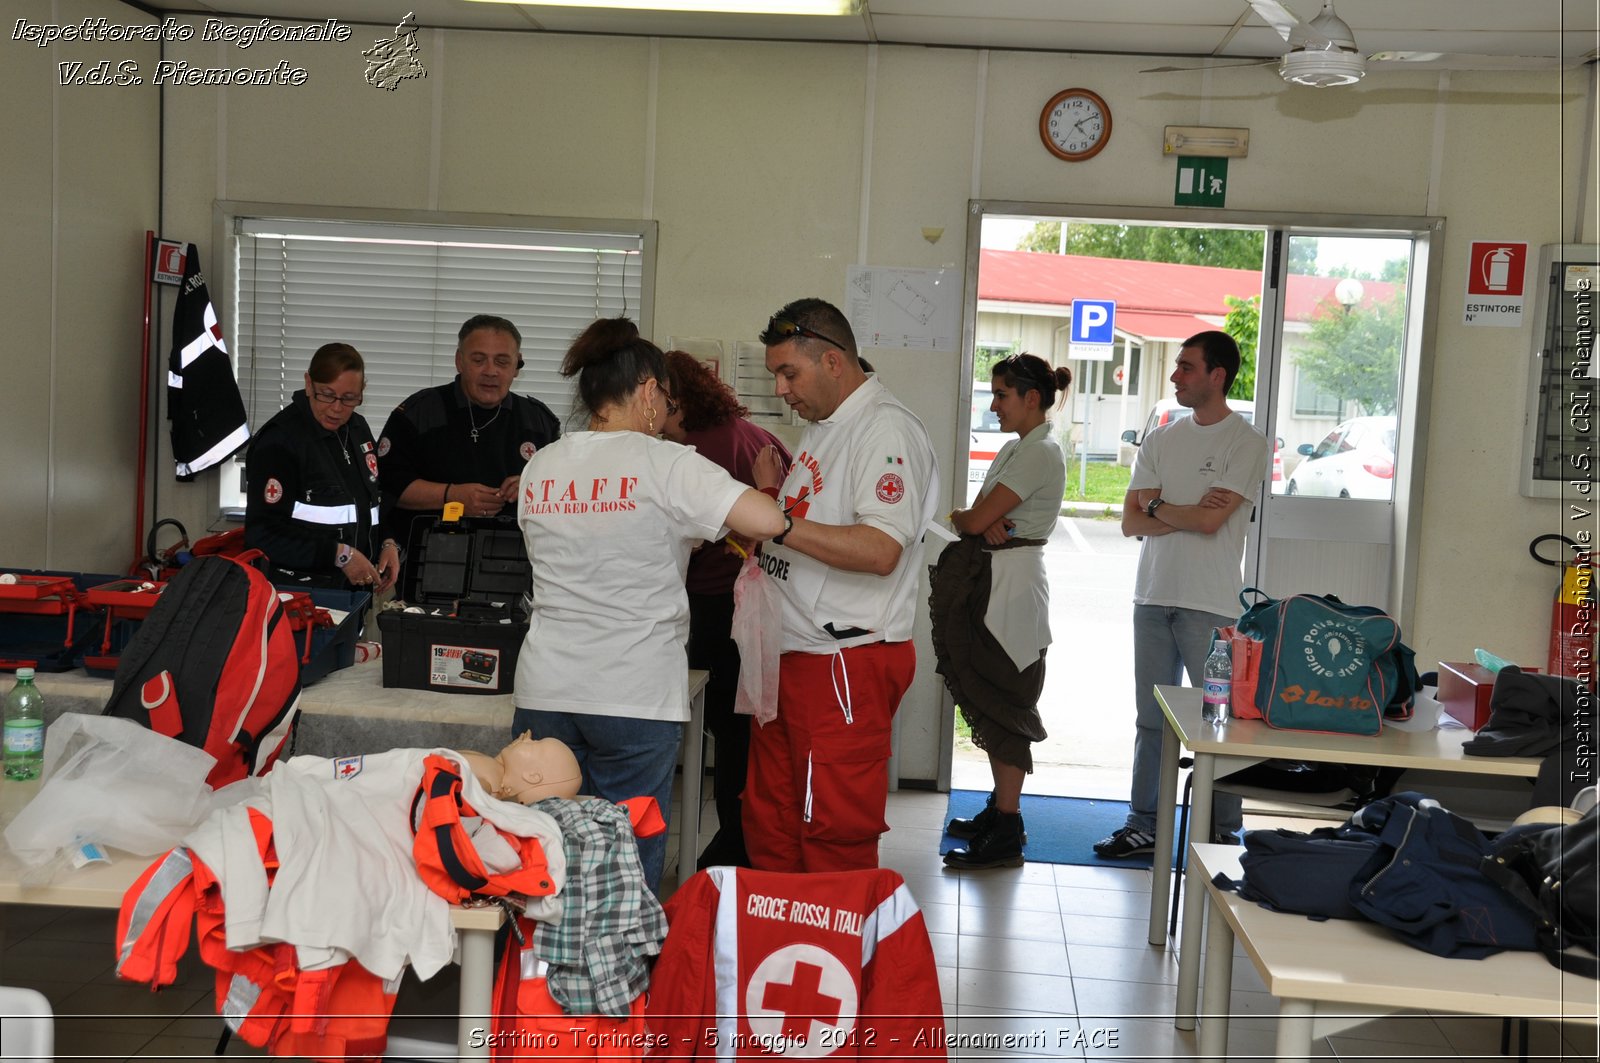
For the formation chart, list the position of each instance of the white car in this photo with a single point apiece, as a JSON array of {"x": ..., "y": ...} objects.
[{"x": 1355, "y": 460}]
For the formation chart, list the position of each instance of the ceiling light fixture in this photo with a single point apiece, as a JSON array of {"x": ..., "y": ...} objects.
[{"x": 747, "y": 7}]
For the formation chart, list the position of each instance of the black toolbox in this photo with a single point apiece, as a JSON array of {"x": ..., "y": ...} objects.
[{"x": 467, "y": 613}]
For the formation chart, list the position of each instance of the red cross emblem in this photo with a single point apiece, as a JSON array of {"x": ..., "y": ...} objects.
[
  {"x": 372, "y": 465},
  {"x": 797, "y": 505},
  {"x": 891, "y": 488},
  {"x": 347, "y": 767},
  {"x": 802, "y": 999},
  {"x": 383, "y": 446},
  {"x": 801, "y": 1002},
  {"x": 272, "y": 492}
]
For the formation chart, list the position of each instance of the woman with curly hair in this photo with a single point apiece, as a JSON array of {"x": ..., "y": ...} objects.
[{"x": 705, "y": 413}]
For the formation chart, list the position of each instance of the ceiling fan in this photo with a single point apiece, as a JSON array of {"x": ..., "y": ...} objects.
[{"x": 1323, "y": 54}]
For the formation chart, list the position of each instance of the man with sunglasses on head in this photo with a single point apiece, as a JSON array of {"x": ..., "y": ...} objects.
[
  {"x": 466, "y": 441},
  {"x": 862, "y": 487}
]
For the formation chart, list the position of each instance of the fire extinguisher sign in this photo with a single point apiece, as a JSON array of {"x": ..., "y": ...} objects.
[{"x": 1497, "y": 272}]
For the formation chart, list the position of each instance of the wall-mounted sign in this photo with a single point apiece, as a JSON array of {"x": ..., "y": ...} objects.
[
  {"x": 168, "y": 265},
  {"x": 1496, "y": 272},
  {"x": 1201, "y": 182}
]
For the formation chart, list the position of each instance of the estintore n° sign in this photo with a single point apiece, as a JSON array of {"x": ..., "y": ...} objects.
[{"x": 1094, "y": 327}]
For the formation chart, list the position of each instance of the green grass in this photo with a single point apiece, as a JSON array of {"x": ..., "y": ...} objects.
[{"x": 1106, "y": 482}]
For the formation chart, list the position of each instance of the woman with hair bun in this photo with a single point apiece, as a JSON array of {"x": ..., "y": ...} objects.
[
  {"x": 609, "y": 516},
  {"x": 705, "y": 413},
  {"x": 991, "y": 604}
]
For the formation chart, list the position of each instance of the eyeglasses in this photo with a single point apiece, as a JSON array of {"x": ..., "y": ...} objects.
[
  {"x": 327, "y": 398},
  {"x": 780, "y": 329},
  {"x": 672, "y": 407}
]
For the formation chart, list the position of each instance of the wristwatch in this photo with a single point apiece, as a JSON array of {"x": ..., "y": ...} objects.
[
  {"x": 788, "y": 526},
  {"x": 1155, "y": 504}
]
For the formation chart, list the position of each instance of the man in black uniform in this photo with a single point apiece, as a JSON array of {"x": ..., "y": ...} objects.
[{"x": 465, "y": 441}]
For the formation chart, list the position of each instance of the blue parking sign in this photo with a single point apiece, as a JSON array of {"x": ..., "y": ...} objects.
[{"x": 1094, "y": 321}]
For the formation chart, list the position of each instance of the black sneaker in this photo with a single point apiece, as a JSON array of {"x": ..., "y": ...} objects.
[{"x": 1125, "y": 842}]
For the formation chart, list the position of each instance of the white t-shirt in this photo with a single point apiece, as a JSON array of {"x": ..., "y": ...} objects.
[
  {"x": 609, "y": 519},
  {"x": 870, "y": 463},
  {"x": 1033, "y": 467},
  {"x": 1185, "y": 460}
]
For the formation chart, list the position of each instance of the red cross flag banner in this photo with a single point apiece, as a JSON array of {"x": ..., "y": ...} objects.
[{"x": 203, "y": 401}]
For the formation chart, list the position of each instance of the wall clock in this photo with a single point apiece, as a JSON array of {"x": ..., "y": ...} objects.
[{"x": 1075, "y": 124}]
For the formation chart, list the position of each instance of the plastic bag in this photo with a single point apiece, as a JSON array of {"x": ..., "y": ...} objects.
[
  {"x": 111, "y": 782},
  {"x": 758, "y": 632}
]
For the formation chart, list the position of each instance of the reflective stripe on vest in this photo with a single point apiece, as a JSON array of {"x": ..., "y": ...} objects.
[
  {"x": 334, "y": 515},
  {"x": 153, "y": 921}
]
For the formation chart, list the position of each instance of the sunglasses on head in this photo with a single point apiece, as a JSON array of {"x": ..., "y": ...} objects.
[{"x": 780, "y": 329}]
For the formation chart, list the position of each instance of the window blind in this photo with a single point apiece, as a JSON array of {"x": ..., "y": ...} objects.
[{"x": 399, "y": 293}]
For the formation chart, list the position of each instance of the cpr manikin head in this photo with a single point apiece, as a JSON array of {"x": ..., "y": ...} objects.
[{"x": 528, "y": 770}]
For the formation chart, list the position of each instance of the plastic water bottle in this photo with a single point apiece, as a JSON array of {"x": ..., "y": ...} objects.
[
  {"x": 1216, "y": 685},
  {"x": 24, "y": 728}
]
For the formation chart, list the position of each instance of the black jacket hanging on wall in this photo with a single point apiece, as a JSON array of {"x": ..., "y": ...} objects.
[{"x": 203, "y": 402}]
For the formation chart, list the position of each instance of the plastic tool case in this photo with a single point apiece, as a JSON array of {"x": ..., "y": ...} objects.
[{"x": 471, "y": 581}]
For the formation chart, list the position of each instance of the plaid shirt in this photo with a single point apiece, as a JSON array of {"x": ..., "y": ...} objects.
[{"x": 599, "y": 954}]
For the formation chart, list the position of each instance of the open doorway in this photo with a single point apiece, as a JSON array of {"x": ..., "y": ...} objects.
[{"x": 1277, "y": 289}]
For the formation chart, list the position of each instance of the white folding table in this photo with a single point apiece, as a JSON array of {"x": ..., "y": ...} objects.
[{"x": 1220, "y": 749}]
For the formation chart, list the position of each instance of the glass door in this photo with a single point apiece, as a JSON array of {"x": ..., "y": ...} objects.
[{"x": 1334, "y": 326}]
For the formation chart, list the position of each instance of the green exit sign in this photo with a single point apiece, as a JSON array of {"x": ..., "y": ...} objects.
[{"x": 1201, "y": 183}]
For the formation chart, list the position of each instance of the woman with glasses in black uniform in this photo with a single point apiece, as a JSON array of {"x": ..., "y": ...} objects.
[{"x": 312, "y": 484}]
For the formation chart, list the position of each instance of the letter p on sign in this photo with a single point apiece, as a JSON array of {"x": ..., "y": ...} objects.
[{"x": 1093, "y": 320}]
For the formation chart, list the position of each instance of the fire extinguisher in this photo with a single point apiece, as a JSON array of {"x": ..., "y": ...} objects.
[{"x": 1572, "y": 627}]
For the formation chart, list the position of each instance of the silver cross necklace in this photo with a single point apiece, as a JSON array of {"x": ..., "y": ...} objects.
[{"x": 476, "y": 427}]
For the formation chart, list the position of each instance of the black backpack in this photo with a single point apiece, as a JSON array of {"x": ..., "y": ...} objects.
[
  {"x": 1554, "y": 871},
  {"x": 215, "y": 665}
]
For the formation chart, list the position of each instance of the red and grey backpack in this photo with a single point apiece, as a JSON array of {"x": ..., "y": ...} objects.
[{"x": 214, "y": 665}]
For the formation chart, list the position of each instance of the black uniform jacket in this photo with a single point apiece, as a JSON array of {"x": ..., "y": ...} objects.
[
  {"x": 310, "y": 490},
  {"x": 429, "y": 437}
]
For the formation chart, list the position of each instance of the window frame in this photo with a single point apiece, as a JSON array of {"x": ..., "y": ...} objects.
[{"x": 228, "y": 213}]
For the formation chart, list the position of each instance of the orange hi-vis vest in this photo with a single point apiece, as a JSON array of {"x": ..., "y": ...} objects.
[
  {"x": 446, "y": 855},
  {"x": 529, "y": 1023},
  {"x": 336, "y": 1013}
]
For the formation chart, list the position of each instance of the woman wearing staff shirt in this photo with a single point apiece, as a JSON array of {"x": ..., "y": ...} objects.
[
  {"x": 312, "y": 484},
  {"x": 609, "y": 516}
]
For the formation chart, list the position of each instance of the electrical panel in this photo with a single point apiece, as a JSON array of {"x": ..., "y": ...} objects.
[{"x": 1559, "y": 441}]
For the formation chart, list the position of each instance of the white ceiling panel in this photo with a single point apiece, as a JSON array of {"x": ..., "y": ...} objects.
[{"x": 1137, "y": 27}]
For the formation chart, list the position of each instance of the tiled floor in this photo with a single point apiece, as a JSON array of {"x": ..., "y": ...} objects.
[{"x": 1040, "y": 962}]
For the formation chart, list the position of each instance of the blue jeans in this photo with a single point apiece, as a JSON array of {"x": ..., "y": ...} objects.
[
  {"x": 1166, "y": 642},
  {"x": 621, "y": 757}
]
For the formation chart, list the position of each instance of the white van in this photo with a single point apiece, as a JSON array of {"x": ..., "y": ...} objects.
[{"x": 987, "y": 439}]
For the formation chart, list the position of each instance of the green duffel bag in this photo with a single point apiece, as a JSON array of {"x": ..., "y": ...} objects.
[{"x": 1328, "y": 666}]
